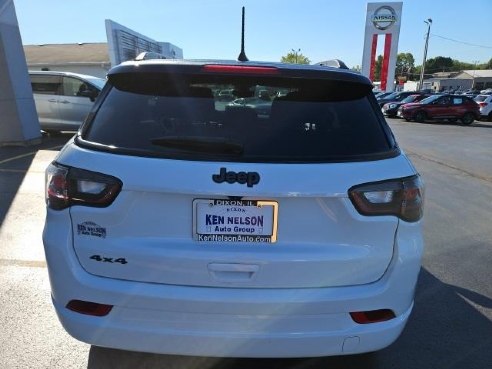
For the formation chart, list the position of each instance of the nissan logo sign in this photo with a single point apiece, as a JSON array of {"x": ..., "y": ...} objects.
[{"x": 384, "y": 17}]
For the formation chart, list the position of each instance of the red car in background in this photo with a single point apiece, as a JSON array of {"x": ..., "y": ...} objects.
[
  {"x": 390, "y": 109},
  {"x": 442, "y": 107}
]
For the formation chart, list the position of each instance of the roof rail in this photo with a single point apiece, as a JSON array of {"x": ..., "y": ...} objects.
[
  {"x": 334, "y": 63},
  {"x": 146, "y": 55}
]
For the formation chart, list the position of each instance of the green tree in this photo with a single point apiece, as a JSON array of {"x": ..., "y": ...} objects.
[
  {"x": 295, "y": 57},
  {"x": 405, "y": 65},
  {"x": 356, "y": 68},
  {"x": 377, "y": 68},
  {"x": 438, "y": 64},
  {"x": 488, "y": 65}
]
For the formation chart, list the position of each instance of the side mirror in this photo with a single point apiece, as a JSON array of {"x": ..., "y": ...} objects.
[{"x": 91, "y": 94}]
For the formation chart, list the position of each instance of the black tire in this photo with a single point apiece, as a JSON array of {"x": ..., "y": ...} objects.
[
  {"x": 420, "y": 116},
  {"x": 467, "y": 119}
]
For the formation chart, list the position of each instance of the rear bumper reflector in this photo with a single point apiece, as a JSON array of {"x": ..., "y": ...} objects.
[
  {"x": 89, "y": 308},
  {"x": 373, "y": 316}
]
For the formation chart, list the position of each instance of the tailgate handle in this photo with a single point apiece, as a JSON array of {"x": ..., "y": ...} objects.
[{"x": 233, "y": 272}]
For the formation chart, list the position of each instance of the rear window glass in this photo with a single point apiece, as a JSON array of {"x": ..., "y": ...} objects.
[{"x": 239, "y": 119}]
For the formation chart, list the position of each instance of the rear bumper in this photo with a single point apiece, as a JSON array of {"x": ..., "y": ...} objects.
[
  {"x": 233, "y": 322},
  {"x": 389, "y": 112}
]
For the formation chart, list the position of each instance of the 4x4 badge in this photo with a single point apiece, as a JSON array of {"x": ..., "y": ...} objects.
[{"x": 251, "y": 178}]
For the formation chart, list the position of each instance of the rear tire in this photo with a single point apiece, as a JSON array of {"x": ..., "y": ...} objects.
[
  {"x": 467, "y": 119},
  {"x": 420, "y": 116}
]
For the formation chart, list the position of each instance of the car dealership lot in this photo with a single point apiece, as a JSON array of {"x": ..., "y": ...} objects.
[{"x": 451, "y": 326}]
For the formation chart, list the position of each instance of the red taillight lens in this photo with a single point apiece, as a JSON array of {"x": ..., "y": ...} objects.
[
  {"x": 482, "y": 104},
  {"x": 373, "y": 316},
  {"x": 402, "y": 197},
  {"x": 89, "y": 308},
  {"x": 67, "y": 186},
  {"x": 239, "y": 69}
]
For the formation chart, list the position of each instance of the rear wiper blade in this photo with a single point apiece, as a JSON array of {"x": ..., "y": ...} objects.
[{"x": 211, "y": 145}]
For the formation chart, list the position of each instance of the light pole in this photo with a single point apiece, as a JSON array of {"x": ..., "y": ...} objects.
[
  {"x": 295, "y": 53},
  {"x": 429, "y": 22},
  {"x": 474, "y": 71}
]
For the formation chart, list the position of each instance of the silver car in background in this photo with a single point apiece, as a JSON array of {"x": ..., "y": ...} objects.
[{"x": 63, "y": 99}]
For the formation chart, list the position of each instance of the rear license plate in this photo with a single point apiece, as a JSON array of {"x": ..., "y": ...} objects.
[{"x": 235, "y": 220}]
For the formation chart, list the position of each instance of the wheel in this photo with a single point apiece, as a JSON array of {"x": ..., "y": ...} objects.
[
  {"x": 420, "y": 116},
  {"x": 467, "y": 119}
]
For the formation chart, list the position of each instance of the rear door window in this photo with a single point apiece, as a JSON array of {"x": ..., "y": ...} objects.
[
  {"x": 276, "y": 120},
  {"x": 46, "y": 84}
]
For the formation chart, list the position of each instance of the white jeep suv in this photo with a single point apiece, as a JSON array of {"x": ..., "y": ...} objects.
[{"x": 181, "y": 223}]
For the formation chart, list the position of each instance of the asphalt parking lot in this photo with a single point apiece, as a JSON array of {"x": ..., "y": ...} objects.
[{"x": 451, "y": 326}]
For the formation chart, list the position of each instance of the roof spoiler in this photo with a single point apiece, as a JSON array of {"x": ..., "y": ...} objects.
[{"x": 334, "y": 63}]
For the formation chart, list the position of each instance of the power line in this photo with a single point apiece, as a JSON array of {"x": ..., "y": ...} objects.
[{"x": 461, "y": 42}]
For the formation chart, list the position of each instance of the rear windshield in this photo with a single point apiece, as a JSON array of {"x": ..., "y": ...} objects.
[{"x": 241, "y": 119}]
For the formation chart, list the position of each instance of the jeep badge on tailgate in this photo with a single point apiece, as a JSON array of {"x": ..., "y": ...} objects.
[{"x": 251, "y": 178}]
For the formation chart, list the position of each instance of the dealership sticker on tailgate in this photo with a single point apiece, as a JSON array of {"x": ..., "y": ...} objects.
[{"x": 235, "y": 220}]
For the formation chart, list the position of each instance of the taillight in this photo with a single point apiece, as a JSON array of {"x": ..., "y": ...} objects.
[
  {"x": 482, "y": 104},
  {"x": 402, "y": 197},
  {"x": 239, "y": 69},
  {"x": 67, "y": 186}
]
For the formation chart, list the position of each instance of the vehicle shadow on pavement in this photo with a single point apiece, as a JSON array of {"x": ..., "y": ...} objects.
[
  {"x": 446, "y": 330},
  {"x": 15, "y": 162},
  {"x": 100, "y": 358}
]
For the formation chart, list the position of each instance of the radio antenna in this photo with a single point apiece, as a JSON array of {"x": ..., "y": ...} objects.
[{"x": 242, "y": 56}]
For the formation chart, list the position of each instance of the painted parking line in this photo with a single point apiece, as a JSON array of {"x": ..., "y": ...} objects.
[
  {"x": 28, "y": 154},
  {"x": 23, "y": 263},
  {"x": 12, "y": 170}
]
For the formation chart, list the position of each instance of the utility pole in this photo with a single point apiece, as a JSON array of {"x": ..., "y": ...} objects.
[
  {"x": 474, "y": 71},
  {"x": 429, "y": 22}
]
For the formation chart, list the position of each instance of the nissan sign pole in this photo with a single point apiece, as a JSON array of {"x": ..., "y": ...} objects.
[{"x": 382, "y": 19}]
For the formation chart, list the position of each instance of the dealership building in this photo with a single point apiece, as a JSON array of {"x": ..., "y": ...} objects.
[{"x": 97, "y": 58}]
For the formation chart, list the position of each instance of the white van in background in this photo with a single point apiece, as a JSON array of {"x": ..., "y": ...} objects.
[{"x": 63, "y": 99}]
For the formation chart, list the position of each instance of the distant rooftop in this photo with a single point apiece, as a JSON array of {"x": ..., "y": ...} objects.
[
  {"x": 81, "y": 53},
  {"x": 479, "y": 73}
]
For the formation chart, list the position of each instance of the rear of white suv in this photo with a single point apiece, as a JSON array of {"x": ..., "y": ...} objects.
[
  {"x": 485, "y": 103},
  {"x": 182, "y": 224}
]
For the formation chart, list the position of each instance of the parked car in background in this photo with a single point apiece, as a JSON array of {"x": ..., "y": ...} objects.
[
  {"x": 381, "y": 94},
  {"x": 261, "y": 106},
  {"x": 394, "y": 97},
  {"x": 441, "y": 107},
  {"x": 63, "y": 99},
  {"x": 471, "y": 93},
  {"x": 485, "y": 103},
  {"x": 390, "y": 109},
  {"x": 175, "y": 227}
]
